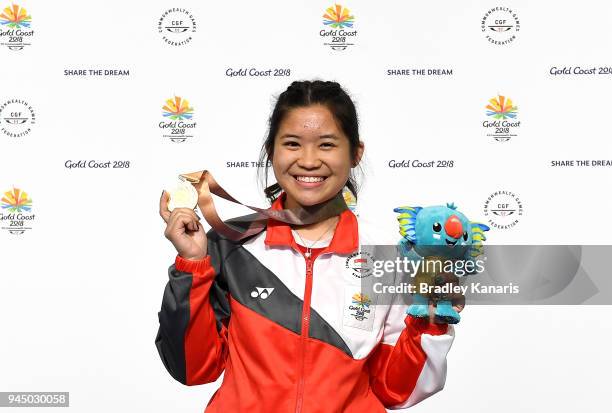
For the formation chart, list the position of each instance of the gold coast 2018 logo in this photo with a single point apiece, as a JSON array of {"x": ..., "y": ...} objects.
[
  {"x": 16, "y": 118},
  {"x": 501, "y": 123},
  {"x": 360, "y": 306},
  {"x": 16, "y": 214},
  {"x": 176, "y": 26},
  {"x": 500, "y": 25},
  {"x": 178, "y": 124},
  {"x": 338, "y": 32},
  {"x": 15, "y": 28}
]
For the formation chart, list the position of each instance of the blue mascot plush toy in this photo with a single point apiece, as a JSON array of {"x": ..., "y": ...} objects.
[{"x": 438, "y": 233}]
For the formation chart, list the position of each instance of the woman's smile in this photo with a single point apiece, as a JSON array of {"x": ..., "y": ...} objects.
[{"x": 310, "y": 181}]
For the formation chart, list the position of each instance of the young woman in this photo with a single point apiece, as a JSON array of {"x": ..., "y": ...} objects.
[{"x": 273, "y": 311}]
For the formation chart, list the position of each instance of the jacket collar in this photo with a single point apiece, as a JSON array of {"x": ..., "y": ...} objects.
[{"x": 344, "y": 241}]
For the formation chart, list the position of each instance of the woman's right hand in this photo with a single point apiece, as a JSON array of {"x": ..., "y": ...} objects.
[{"x": 184, "y": 230}]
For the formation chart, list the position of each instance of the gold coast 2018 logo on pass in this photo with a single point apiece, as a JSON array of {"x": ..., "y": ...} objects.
[
  {"x": 15, "y": 28},
  {"x": 359, "y": 310},
  {"x": 360, "y": 306},
  {"x": 338, "y": 32},
  {"x": 16, "y": 118},
  {"x": 176, "y": 26},
  {"x": 500, "y": 25}
]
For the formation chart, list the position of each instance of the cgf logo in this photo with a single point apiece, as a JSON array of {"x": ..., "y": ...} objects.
[{"x": 262, "y": 292}]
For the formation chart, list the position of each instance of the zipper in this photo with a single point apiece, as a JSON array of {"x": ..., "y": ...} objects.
[{"x": 305, "y": 322}]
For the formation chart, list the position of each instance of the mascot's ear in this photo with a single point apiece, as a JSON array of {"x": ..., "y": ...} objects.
[
  {"x": 478, "y": 230},
  {"x": 407, "y": 221},
  {"x": 407, "y": 209},
  {"x": 478, "y": 236}
]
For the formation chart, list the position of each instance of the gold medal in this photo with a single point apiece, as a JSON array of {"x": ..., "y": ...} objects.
[{"x": 182, "y": 195}]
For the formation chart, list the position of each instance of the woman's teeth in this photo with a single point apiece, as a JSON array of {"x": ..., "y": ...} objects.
[{"x": 310, "y": 178}]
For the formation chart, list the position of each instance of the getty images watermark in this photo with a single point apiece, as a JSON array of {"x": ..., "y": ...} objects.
[
  {"x": 434, "y": 275},
  {"x": 499, "y": 274}
]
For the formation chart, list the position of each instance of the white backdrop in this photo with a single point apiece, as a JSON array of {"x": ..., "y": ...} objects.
[{"x": 80, "y": 291}]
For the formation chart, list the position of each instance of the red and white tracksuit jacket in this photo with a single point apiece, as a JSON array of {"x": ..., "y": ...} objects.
[{"x": 279, "y": 325}]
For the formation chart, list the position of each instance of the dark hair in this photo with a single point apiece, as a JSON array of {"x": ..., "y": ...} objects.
[{"x": 302, "y": 94}]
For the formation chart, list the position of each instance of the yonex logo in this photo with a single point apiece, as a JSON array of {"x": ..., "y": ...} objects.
[{"x": 262, "y": 292}]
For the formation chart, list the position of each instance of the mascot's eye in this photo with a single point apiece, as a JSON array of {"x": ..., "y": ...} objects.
[
  {"x": 465, "y": 235},
  {"x": 437, "y": 227}
]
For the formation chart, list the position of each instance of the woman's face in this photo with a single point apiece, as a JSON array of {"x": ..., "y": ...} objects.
[{"x": 312, "y": 157}]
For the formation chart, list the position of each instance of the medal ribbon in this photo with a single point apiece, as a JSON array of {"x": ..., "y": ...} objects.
[{"x": 206, "y": 185}]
